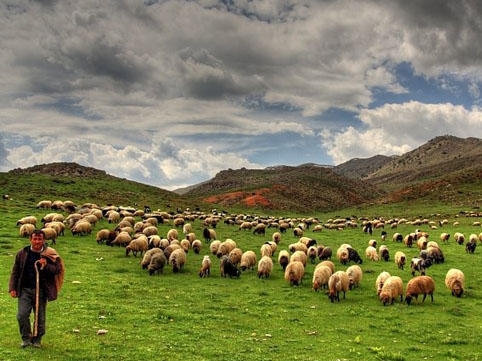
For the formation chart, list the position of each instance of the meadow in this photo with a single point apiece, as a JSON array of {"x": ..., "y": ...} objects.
[{"x": 183, "y": 317}]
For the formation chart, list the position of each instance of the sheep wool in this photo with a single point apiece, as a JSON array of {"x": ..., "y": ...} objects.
[
  {"x": 265, "y": 266},
  {"x": 419, "y": 285},
  {"x": 382, "y": 277},
  {"x": 392, "y": 289},
  {"x": 248, "y": 260},
  {"x": 177, "y": 260},
  {"x": 321, "y": 275},
  {"x": 299, "y": 256},
  {"x": 205, "y": 270},
  {"x": 338, "y": 282},
  {"x": 355, "y": 275},
  {"x": 157, "y": 263},
  {"x": 146, "y": 259},
  {"x": 294, "y": 272},
  {"x": 454, "y": 280},
  {"x": 371, "y": 253}
]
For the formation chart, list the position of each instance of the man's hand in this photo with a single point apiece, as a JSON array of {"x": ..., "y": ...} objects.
[
  {"x": 42, "y": 262},
  {"x": 13, "y": 293}
]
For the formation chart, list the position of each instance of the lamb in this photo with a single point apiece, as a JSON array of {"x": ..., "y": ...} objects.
[
  {"x": 400, "y": 259},
  {"x": 355, "y": 275},
  {"x": 354, "y": 256},
  {"x": 171, "y": 248},
  {"x": 371, "y": 253},
  {"x": 338, "y": 282},
  {"x": 26, "y": 230},
  {"x": 321, "y": 275},
  {"x": 454, "y": 280},
  {"x": 185, "y": 245},
  {"x": 384, "y": 253},
  {"x": 177, "y": 260},
  {"x": 148, "y": 256},
  {"x": 372, "y": 242},
  {"x": 294, "y": 272},
  {"x": 157, "y": 263},
  {"x": 307, "y": 241},
  {"x": 205, "y": 270},
  {"x": 420, "y": 265},
  {"x": 382, "y": 277},
  {"x": 283, "y": 259},
  {"x": 138, "y": 245},
  {"x": 419, "y": 285},
  {"x": 187, "y": 228},
  {"x": 392, "y": 289},
  {"x": 248, "y": 260},
  {"x": 444, "y": 237},
  {"x": 227, "y": 268},
  {"x": 265, "y": 267}
]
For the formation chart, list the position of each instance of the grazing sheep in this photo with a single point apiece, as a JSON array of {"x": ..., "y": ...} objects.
[
  {"x": 471, "y": 246},
  {"x": 260, "y": 228},
  {"x": 196, "y": 246},
  {"x": 372, "y": 243},
  {"x": 436, "y": 255},
  {"x": 400, "y": 259},
  {"x": 245, "y": 225},
  {"x": 177, "y": 260},
  {"x": 371, "y": 253},
  {"x": 312, "y": 254},
  {"x": 298, "y": 232},
  {"x": 225, "y": 247},
  {"x": 44, "y": 204},
  {"x": 342, "y": 253},
  {"x": 420, "y": 265},
  {"x": 235, "y": 255},
  {"x": 459, "y": 238},
  {"x": 57, "y": 225},
  {"x": 392, "y": 288},
  {"x": 154, "y": 241},
  {"x": 205, "y": 270},
  {"x": 209, "y": 234},
  {"x": 419, "y": 285},
  {"x": 26, "y": 230},
  {"x": 444, "y": 237},
  {"x": 227, "y": 268},
  {"x": 122, "y": 239},
  {"x": 397, "y": 237},
  {"x": 81, "y": 228},
  {"x": 321, "y": 275},
  {"x": 214, "y": 246},
  {"x": 384, "y": 253},
  {"x": 265, "y": 267},
  {"x": 294, "y": 272},
  {"x": 105, "y": 235},
  {"x": 325, "y": 253},
  {"x": 298, "y": 246},
  {"x": 408, "y": 240},
  {"x": 266, "y": 250},
  {"x": 283, "y": 259},
  {"x": 148, "y": 256},
  {"x": 187, "y": 228},
  {"x": 185, "y": 245},
  {"x": 172, "y": 234},
  {"x": 355, "y": 275},
  {"x": 137, "y": 245},
  {"x": 382, "y": 277},
  {"x": 50, "y": 234},
  {"x": 157, "y": 263},
  {"x": 248, "y": 260},
  {"x": 354, "y": 256},
  {"x": 307, "y": 241},
  {"x": 327, "y": 263},
  {"x": 171, "y": 248},
  {"x": 27, "y": 219},
  {"x": 299, "y": 256},
  {"x": 454, "y": 280},
  {"x": 276, "y": 237},
  {"x": 422, "y": 242},
  {"x": 338, "y": 282}
]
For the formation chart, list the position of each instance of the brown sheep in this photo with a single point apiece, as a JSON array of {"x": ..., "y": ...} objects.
[
  {"x": 205, "y": 270},
  {"x": 419, "y": 285},
  {"x": 196, "y": 246},
  {"x": 299, "y": 256},
  {"x": 148, "y": 255},
  {"x": 338, "y": 282},
  {"x": 454, "y": 280},
  {"x": 235, "y": 255},
  {"x": 248, "y": 260},
  {"x": 392, "y": 288},
  {"x": 294, "y": 272},
  {"x": 321, "y": 275},
  {"x": 327, "y": 263}
]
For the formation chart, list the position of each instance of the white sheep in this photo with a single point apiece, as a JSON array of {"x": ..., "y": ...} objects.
[
  {"x": 294, "y": 272},
  {"x": 27, "y": 219},
  {"x": 455, "y": 280},
  {"x": 177, "y": 260},
  {"x": 391, "y": 290},
  {"x": 371, "y": 253},
  {"x": 355, "y": 275},
  {"x": 248, "y": 260},
  {"x": 338, "y": 282},
  {"x": 400, "y": 259},
  {"x": 26, "y": 230},
  {"x": 459, "y": 238},
  {"x": 205, "y": 270},
  {"x": 382, "y": 277},
  {"x": 321, "y": 275},
  {"x": 265, "y": 267}
]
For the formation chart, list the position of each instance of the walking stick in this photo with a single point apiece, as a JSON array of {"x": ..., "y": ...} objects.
[{"x": 37, "y": 299}]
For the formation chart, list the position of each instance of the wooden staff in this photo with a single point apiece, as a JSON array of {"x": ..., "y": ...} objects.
[{"x": 37, "y": 298}]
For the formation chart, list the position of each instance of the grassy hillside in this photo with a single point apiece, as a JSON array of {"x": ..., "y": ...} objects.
[{"x": 181, "y": 316}]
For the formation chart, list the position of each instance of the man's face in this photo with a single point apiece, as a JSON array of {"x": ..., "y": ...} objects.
[{"x": 37, "y": 242}]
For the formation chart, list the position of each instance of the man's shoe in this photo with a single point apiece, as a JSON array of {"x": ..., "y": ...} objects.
[
  {"x": 25, "y": 344},
  {"x": 37, "y": 345}
]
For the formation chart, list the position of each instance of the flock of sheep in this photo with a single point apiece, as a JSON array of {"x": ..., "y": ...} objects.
[{"x": 137, "y": 232}]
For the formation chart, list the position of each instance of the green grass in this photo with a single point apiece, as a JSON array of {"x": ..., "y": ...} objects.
[{"x": 183, "y": 317}]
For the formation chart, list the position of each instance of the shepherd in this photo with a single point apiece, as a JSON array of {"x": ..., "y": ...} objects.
[{"x": 36, "y": 278}]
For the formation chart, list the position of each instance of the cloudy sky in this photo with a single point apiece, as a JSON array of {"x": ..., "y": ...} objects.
[{"x": 168, "y": 93}]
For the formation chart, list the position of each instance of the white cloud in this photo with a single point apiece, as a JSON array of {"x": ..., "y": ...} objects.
[{"x": 394, "y": 129}]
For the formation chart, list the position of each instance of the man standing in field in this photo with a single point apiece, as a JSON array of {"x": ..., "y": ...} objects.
[{"x": 37, "y": 276}]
